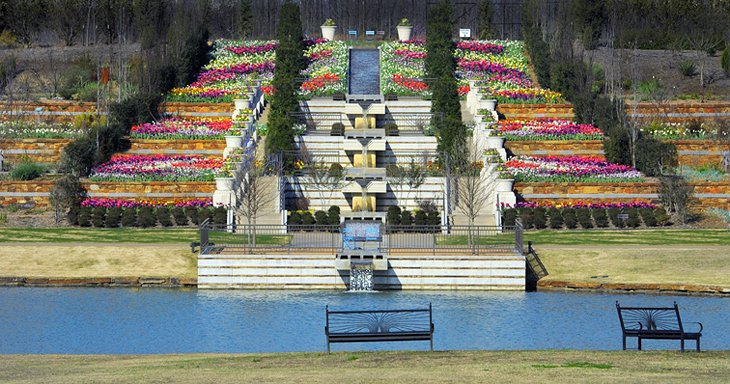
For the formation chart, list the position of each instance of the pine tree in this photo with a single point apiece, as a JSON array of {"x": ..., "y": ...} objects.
[{"x": 485, "y": 19}]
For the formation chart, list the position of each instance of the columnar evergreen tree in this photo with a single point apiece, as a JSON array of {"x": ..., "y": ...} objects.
[
  {"x": 486, "y": 12},
  {"x": 440, "y": 67},
  {"x": 245, "y": 21},
  {"x": 290, "y": 62}
]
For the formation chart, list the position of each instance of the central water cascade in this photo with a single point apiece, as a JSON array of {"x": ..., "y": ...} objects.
[
  {"x": 361, "y": 277},
  {"x": 364, "y": 72}
]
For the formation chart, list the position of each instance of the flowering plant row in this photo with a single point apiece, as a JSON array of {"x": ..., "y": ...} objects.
[
  {"x": 500, "y": 68},
  {"x": 684, "y": 131},
  {"x": 548, "y": 129},
  {"x": 583, "y": 204},
  {"x": 402, "y": 68},
  {"x": 121, "y": 203},
  {"x": 157, "y": 168},
  {"x": 182, "y": 129},
  {"x": 26, "y": 130},
  {"x": 327, "y": 70},
  {"x": 569, "y": 169}
]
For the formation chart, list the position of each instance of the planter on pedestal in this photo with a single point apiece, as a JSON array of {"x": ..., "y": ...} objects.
[
  {"x": 224, "y": 183},
  {"x": 489, "y": 104},
  {"x": 242, "y": 104},
  {"x": 495, "y": 142},
  {"x": 404, "y": 32},
  {"x": 234, "y": 141},
  {"x": 328, "y": 31},
  {"x": 504, "y": 185}
]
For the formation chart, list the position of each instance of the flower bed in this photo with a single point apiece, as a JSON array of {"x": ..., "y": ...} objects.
[
  {"x": 500, "y": 67},
  {"x": 585, "y": 204},
  {"x": 402, "y": 68},
  {"x": 181, "y": 129},
  {"x": 327, "y": 71},
  {"x": 548, "y": 129},
  {"x": 121, "y": 203},
  {"x": 684, "y": 131},
  {"x": 235, "y": 67},
  {"x": 33, "y": 130},
  {"x": 157, "y": 168},
  {"x": 568, "y": 169}
]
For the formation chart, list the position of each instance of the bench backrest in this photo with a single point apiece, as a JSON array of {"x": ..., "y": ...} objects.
[
  {"x": 379, "y": 321},
  {"x": 649, "y": 318}
]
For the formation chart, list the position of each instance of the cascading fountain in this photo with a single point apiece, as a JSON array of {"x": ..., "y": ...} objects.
[{"x": 361, "y": 276}]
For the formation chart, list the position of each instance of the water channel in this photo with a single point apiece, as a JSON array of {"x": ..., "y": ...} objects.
[
  {"x": 96, "y": 320},
  {"x": 364, "y": 72}
]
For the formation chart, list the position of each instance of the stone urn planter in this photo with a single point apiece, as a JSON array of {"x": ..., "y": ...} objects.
[
  {"x": 489, "y": 104},
  {"x": 328, "y": 32},
  {"x": 495, "y": 142},
  {"x": 504, "y": 185},
  {"x": 224, "y": 183},
  {"x": 234, "y": 141},
  {"x": 242, "y": 103},
  {"x": 404, "y": 32}
]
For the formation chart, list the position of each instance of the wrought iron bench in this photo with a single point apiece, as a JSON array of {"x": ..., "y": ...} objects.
[
  {"x": 379, "y": 325},
  {"x": 655, "y": 323}
]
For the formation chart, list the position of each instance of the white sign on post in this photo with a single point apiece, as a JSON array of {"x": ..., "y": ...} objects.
[{"x": 465, "y": 33}]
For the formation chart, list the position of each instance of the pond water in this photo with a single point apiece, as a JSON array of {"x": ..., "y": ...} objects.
[
  {"x": 97, "y": 320},
  {"x": 364, "y": 72}
]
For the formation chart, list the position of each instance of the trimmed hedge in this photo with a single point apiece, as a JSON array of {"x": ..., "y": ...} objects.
[
  {"x": 586, "y": 218},
  {"x": 141, "y": 217}
]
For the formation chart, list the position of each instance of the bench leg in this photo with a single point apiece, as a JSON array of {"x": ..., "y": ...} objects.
[
  {"x": 681, "y": 345},
  {"x": 432, "y": 343},
  {"x": 698, "y": 344},
  {"x": 639, "y": 343},
  {"x": 624, "y": 343}
]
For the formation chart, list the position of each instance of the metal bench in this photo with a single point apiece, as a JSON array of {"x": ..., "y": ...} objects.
[
  {"x": 657, "y": 323},
  {"x": 379, "y": 325}
]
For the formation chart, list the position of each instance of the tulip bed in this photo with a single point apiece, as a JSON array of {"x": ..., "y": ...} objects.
[
  {"x": 548, "y": 129},
  {"x": 25, "y": 130},
  {"x": 500, "y": 67},
  {"x": 120, "y": 203},
  {"x": 402, "y": 68},
  {"x": 583, "y": 204},
  {"x": 235, "y": 68},
  {"x": 182, "y": 129},
  {"x": 327, "y": 71},
  {"x": 569, "y": 169},
  {"x": 157, "y": 168}
]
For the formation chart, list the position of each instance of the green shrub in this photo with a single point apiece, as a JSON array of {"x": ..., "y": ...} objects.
[
  {"x": 433, "y": 218},
  {"x": 113, "y": 217},
  {"x": 571, "y": 222},
  {"x": 584, "y": 217},
  {"x": 634, "y": 221},
  {"x": 129, "y": 217},
  {"x": 613, "y": 215},
  {"x": 97, "y": 216},
  {"x": 556, "y": 219},
  {"x": 338, "y": 129},
  {"x": 647, "y": 215},
  {"x": 540, "y": 218},
  {"x": 178, "y": 213},
  {"x": 220, "y": 216},
  {"x": 73, "y": 216},
  {"x": 391, "y": 129},
  {"x": 146, "y": 217},
  {"x": 27, "y": 171},
  {"x": 307, "y": 218},
  {"x": 687, "y": 68},
  {"x": 725, "y": 60},
  {"x": 84, "y": 217},
  {"x": 420, "y": 218},
  {"x": 662, "y": 218},
  {"x": 294, "y": 218},
  {"x": 406, "y": 218},
  {"x": 321, "y": 218},
  {"x": 527, "y": 217},
  {"x": 333, "y": 215},
  {"x": 163, "y": 216},
  {"x": 509, "y": 216},
  {"x": 393, "y": 215},
  {"x": 599, "y": 216},
  {"x": 193, "y": 215}
]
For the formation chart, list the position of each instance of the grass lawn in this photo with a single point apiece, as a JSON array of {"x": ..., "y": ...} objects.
[
  {"x": 368, "y": 367},
  {"x": 110, "y": 260},
  {"x": 678, "y": 264}
]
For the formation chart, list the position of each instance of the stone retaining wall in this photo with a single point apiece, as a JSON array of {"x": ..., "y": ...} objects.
[
  {"x": 208, "y": 148},
  {"x": 544, "y": 285},
  {"x": 158, "y": 282},
  {"x": 36, "y": 150},
  {"x": 707, "y": 194},
  {"x": 37, "y": 191}
]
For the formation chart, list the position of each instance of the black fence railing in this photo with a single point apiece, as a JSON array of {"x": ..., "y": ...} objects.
[
  {"x": 316, "y": 121},
  {"x": 327, "y": 239}
]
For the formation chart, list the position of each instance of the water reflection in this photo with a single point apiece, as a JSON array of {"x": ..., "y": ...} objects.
[
  {"x": 364, "y": 72},
  {"x": 52, "y": 320}
]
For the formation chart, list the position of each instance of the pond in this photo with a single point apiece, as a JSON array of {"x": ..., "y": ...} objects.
[{"x": 98, "y": 320}]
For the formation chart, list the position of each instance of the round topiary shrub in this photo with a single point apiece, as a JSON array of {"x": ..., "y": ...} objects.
[
  {"x": 193, "y": 214},
  {"x": 178, "y": 213},
  {"x": 393, "y": 215},
  {"x": 321, "y": 218},
  {"x": 634, "y": 221},
  {"x": 528, "y": 218},
  {"x": 556, "y": 219},
  {"x": 584, "y": 218},
  {"x": 163, "y": 216},
  {"x": 129, "y": 217},
  {"x": 98, "y": 214},
  {"x": 84, "y": 218},
  {"x": 539, "y": 218},
  {"x": 146, "y": 217},
  {"x": 662, "y": 218},
  {"x": 647, "y": 215},
  {"x": 220, "y": 216},
  {"x": 406, "y": 218},
  {"x": 73, "y": 216},
  {"x": 113, "y": 217},
  {"x": 509, "y": 216},
  {"x": 433, "y": 218},
  {"x": 333, "y": 215},
  {"x": 295, "y": 218},
  {"x": 307, "y": 218},
  {"x": 600, "y": 217},
  {"x": 571, "y": 222},
  {"x": 613, "y": 215},
  {"x": 205, "y": 214},
  {"x": 419, "y": 219}
]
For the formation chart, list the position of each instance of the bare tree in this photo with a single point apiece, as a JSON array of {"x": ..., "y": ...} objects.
[
  {"x": 259, "y": 190},
  {"x": 471, "y": 186},
  {"x": 325, "y": 176},
  {"x": 415, "y": 176}
]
